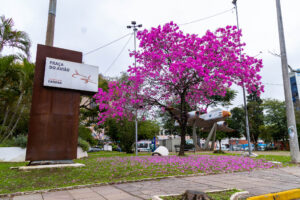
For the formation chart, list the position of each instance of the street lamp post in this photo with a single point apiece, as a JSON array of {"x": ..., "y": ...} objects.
[
  {"x": 51, "y": 23},
  {"x": 135, "y": 28},
  {"x": 290, "y": 115},
  {"x": 244, "y": 92}
]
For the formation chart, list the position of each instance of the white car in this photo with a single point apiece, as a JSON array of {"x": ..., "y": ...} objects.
[{"x": 144, "y": 146}]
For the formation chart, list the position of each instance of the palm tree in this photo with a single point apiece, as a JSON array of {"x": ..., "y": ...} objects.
[
  {"x": 13, "y": 38},
  {"x": 16, "y": 82}
]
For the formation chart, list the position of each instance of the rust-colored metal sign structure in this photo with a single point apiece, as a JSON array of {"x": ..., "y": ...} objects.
[{"x": 54, "y": 115}]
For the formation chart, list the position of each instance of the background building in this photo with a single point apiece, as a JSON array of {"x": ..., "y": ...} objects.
[{"x": 295, "y": 84}]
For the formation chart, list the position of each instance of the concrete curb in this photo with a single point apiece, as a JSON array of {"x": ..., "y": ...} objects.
[
  {"x": 237, "y": 195},
  {"x": 288, "y": 194},
  {"x": 33, "y": 167}
]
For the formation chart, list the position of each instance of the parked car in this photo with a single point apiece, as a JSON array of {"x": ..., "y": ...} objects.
[
  {"x": 95, "y": 149},
  {"x": 237, "y": 147},
  {"x": 261, "y": 147},
  {"x": 144, "y": 146},
  {"x": 187, "y": 147}
]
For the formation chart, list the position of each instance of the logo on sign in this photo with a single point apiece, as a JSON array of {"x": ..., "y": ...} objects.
[{"x": 86, "y": 79}]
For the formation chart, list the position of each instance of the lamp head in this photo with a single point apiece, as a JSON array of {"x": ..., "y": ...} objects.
[
  {"x": 234, "y": 2},
  {"x": 133, "y": 22},
  {"x": 128, "y": 26},
  {"x": 140, "y": 25}
]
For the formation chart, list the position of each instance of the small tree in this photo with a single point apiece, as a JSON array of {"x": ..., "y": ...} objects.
[
  {"x": 256, "y": 116},
  {"x": 275, "y": 119},
  {"x": 16, "y": 82},
  {"x": 181, "y": 69}
]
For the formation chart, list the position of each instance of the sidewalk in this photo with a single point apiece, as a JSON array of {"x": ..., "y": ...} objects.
[{"x": 256, "y": 182}]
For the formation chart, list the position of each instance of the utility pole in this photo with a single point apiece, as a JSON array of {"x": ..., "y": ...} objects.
[
  {"x": 244, "y": 92},
  {"x": 51, "y": 23},
  {"x": 291, "y": 122},
  {"x": 134, "y": 26}
]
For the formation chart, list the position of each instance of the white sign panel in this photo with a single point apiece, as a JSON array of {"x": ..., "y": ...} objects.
[{"x": 70, "y": 75}]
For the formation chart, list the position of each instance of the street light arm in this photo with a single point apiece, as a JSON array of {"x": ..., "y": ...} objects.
[{"x": 278, "y": 55}]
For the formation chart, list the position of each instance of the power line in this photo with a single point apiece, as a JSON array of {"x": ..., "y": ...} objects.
[
  {"x": 204, "y": 18},
  {"x": 92, "y": 51},
  {"x": 277, "y": 84},
  {"x": 108, "y": 68},
  {"x": 194, "y": 21},
  {"x": 274, "y": 84}
]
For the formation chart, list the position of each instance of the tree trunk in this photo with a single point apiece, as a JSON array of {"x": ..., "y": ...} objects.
[
  {"x": 15, "y": 125},
  {"x": 4, "y": 120},
  {"x": 14, "y": 115},
  {"x": 182, "y": 143}
]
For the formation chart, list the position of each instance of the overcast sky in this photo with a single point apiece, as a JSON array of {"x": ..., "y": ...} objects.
[{"x": 84, "y": 25}]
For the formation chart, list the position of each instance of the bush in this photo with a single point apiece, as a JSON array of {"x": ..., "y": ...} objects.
[
  {"x": 7, "y": 143},
  {"x": 20, "y": 141},
  {"x": 83, "y": 144},
  {"x": 115, "y": 147},
  {"x": 219, "y": 152},
  {"x": 86, "y": 134}
]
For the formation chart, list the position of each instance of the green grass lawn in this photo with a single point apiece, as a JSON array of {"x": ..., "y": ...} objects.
[
  {"x": 285, "y": 160},
  {"x": 95, "y": 171},
  {"x": 17, "y": 181}
]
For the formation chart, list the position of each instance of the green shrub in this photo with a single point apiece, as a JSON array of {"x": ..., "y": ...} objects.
[
  {"x": 8, "y": 143},
  {"x": 20, "y": 141},
  {"x": 83, "y": 144},
  {"x": 219, "y": 152},
  {"x": 86, "y": 134}
]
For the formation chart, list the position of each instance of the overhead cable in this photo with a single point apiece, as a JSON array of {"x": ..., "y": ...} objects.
[
  {"x": 201, "y": 19},
  {"x": 92, "y": 51},
  {"x": 108, "y": 68},
  {"x": 194, "y": 21}
]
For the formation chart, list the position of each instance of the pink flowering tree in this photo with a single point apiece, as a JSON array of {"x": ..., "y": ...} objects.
[{"x": 182, "y": 69}]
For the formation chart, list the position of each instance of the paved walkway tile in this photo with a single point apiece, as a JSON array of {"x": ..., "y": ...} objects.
[
  {"x": 111, "y": 192},
  {"x": 29, "y": 197},
  {"x": 85, "y": 193},
  {"x": 59, "y": 195}
]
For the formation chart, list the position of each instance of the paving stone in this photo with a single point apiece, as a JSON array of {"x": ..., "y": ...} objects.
[
  {"x": 29, "y": 197},
  {"x": 120, "y": 196},
  {"x": 80, "y": 191},
  {"x": 60, "y": 195},
  {"x": 263, "y": 190},
  {"x": 85, "y": 193},
  {"x": 110, "y": 192}
]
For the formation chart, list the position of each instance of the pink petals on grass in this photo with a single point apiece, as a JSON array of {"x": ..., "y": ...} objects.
[{"x": 154, "y": 166}]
